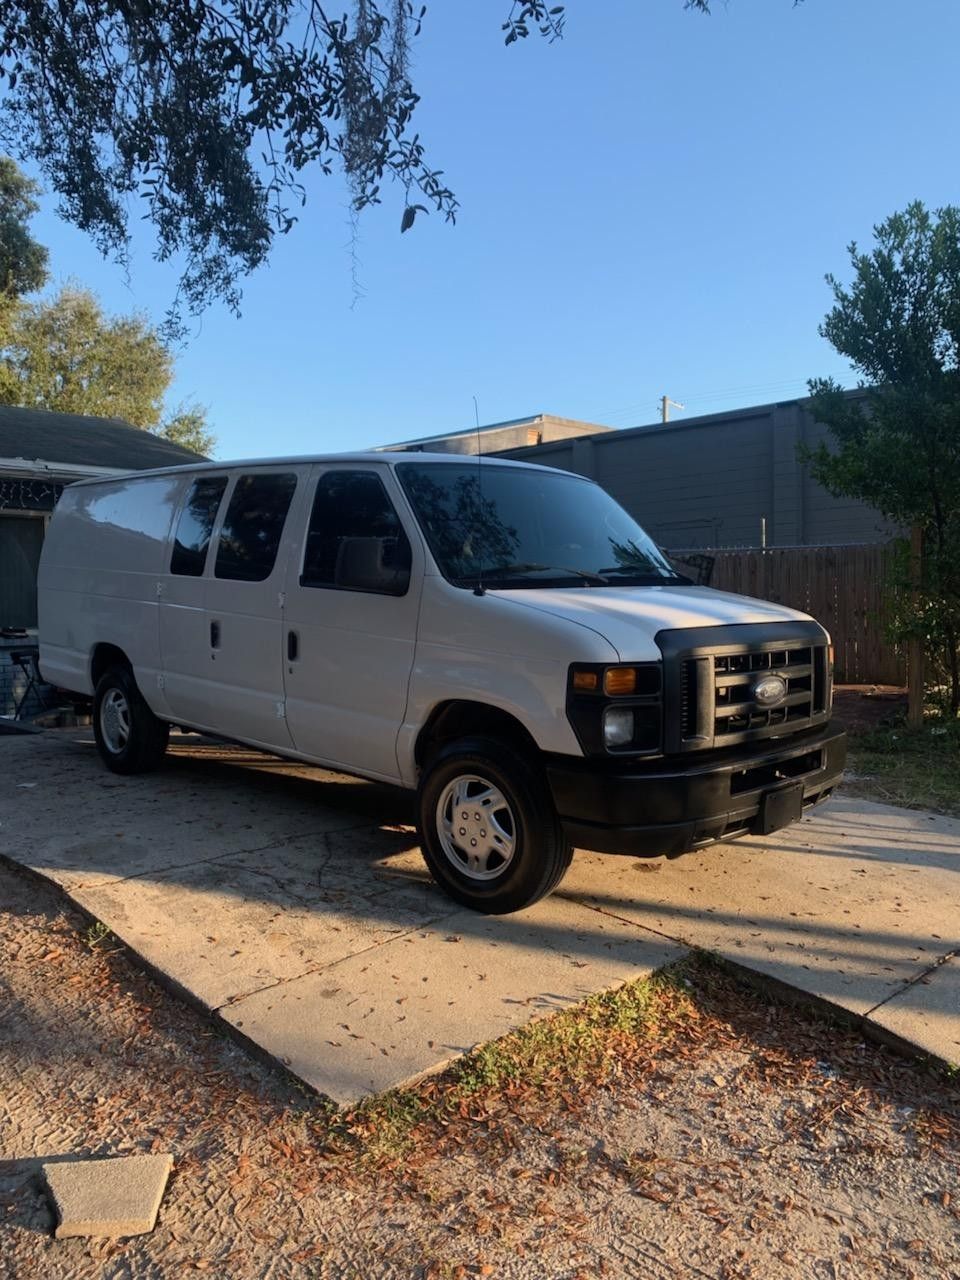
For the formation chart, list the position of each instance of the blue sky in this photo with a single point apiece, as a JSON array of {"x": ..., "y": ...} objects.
[{"x": 648, "y": 207}]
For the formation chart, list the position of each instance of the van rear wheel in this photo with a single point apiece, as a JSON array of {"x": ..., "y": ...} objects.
[
  {"x": 129, "y": 736},
  {"x": 488, "y": 828}
]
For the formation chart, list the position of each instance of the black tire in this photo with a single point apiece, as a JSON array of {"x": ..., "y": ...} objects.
[
  {"x": 539, "y": 854},
  {"x": 129, "y": 736}
]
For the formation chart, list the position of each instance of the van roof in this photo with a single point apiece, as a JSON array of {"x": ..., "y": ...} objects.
[{"x": 366, "y": 458}]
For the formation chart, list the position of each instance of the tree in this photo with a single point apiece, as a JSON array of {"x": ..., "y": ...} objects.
[
  {"x": 64, "y": 354},
  {"x": 211, "y": 111},
  {"x": 899, "y": 448},
  {"x": 23, "y": 262},
  {"x": 187, "y": 425}
]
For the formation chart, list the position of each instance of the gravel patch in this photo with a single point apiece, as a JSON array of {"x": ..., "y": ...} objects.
[{"x": 758, "y": 1141}]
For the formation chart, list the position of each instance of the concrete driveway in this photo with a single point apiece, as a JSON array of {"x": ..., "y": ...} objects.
[{"x": 293, "y": 904}]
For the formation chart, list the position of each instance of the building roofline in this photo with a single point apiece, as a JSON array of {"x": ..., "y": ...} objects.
[
  {"x": 682, "y": 424},
  {"x": 459, "y": 435},
  {"x": 467, "y": 433}
]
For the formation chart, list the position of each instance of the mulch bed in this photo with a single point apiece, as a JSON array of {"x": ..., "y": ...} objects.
[{"x": 862, "y": 707}]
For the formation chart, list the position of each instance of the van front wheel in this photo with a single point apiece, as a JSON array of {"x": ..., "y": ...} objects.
[
  {"x": 488, "y": 828},
  {"x": 129, "y": 736}
]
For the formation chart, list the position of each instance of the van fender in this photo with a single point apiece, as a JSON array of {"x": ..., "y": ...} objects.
[{"x": 531, "y": 692}]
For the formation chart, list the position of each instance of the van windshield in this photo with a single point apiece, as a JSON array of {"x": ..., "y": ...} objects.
[{"x": 514, "y": 527}]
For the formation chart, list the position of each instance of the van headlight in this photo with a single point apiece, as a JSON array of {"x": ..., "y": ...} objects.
[
  {"x": 616, "y": 709},
  {"x": 617, "y": 726}
]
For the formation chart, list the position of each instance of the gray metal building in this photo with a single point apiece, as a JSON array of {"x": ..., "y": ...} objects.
[{"x": 718, "y": 480}]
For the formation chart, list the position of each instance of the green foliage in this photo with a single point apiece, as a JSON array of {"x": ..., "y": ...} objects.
[
  {"x": 23, "y": 262},
  {"x": 64, "y": 354},
  {"x": 898, "y": 448},
  {"x": 97, "y": 934},
  {"x": 921, "y": 604},
  {"x": 211, "y": 112},
  {"x": 187, "y": 426}
]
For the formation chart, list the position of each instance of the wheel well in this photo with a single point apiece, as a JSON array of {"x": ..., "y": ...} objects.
[
  {"x": 104, "y": 657},
  {"x": 452, "y": 720}
]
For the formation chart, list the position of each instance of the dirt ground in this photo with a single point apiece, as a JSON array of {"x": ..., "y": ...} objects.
[
  {"x": 862, "y": 707},
  {"x": 753, "y": 1140}
]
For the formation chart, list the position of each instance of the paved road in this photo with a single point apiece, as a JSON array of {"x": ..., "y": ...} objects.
[{"x": 293, "y": 904}]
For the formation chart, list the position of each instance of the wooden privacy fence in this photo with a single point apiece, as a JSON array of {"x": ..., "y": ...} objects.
[{"x": 842, "y": 587}]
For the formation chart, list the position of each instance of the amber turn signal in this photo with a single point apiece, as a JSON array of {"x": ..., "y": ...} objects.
[
  {"x": 618, "y": 680},
  {"x": 586, "y": 681}
]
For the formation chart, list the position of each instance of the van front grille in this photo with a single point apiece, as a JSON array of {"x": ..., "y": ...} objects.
[
  {"x": 735, "y": 677},
  {"x": 716, "y": 688},
  {"x": 688, "y": 699}
]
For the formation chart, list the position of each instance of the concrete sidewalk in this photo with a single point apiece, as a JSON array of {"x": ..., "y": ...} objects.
[{"x": 293, "y": 904}]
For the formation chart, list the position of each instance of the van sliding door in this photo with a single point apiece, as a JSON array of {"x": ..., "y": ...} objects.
[{"x": 242, "y": 695}]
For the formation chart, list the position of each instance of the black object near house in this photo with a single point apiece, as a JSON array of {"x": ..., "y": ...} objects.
[{"x": 40, "y": 453}]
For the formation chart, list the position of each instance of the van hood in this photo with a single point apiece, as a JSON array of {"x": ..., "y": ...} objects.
[{"x": 630, "y": 617}]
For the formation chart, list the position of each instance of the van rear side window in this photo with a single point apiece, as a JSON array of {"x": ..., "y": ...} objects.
[
  {"x": 195, "y": 526},
  {"x": 253, "y": 526}
]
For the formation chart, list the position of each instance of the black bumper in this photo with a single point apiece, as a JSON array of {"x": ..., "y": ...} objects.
[{"x": 670, "y": 806}]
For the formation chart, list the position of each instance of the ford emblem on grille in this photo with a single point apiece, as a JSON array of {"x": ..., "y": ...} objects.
[{"x": 770, "y": 691}]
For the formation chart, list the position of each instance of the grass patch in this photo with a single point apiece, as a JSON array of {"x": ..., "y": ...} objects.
[
  {"x": 609, "y": 1035},
  {"x": 632, "y": 1039},
  {"x": 96, "y": 935},
  {"x": 915, "y": 768}
]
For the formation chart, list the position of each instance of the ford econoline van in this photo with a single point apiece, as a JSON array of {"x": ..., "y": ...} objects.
[{"x": 501, "y": 638}]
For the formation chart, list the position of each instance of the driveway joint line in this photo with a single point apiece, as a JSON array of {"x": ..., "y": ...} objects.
[
  {"x": 613, "y": 915},
  {"x": 220, "y": 857},
  {"x": 912, "y": 982},
  {"x": 327, "y": 968}
]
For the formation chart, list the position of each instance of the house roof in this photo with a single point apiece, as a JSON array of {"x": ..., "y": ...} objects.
[{"x": 74, "y": 439}]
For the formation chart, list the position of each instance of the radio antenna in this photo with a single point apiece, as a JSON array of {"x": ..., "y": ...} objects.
[{"x": 478, "y": 590}]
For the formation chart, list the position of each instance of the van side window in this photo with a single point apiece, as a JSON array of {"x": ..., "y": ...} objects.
[
  {"x": 253, "y": 526},
  {"x": 196, "y": 524},
  {"x": 355, "y": 541}
]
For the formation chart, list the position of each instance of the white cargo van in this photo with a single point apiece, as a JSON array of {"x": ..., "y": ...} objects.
[{"x": 502, "y": 638}]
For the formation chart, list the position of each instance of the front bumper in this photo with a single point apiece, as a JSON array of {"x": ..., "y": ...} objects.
[{"x": 671, "y": 806}]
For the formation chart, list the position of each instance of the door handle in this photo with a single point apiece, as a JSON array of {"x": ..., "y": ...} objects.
[
  {"x": 293, "y": 646},
  {"x": 214, "y": 635}
]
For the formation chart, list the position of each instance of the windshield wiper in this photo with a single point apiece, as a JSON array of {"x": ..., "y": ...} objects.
[
  {"x": 512, "y": 570},
  {"x": 647, "y": 579}
]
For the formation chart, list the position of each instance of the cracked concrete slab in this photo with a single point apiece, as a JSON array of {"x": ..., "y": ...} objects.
[
  {"x": 224, "y": 929},
  {"x": 927, "y": 1013},
  {"x": 118, "y": 1196},
  {"x": 208, "y": 802},
  {"x": 293, "y": 903}
]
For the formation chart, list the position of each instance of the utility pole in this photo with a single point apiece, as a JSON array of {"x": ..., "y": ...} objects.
[{"x": 665, "y": 403}]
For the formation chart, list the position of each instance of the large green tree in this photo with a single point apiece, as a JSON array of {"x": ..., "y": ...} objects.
[
  {"x": 211, "y": 110},
  {"x": 23, "y": 262},
  {"x": 63, "y": 353},
  {"x": 898, "y": 447}
]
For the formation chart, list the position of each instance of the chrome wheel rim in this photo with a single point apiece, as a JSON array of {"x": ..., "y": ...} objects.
[
  {"x": 115, "y": 721},
  {"x": 476, "y": 827}
]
